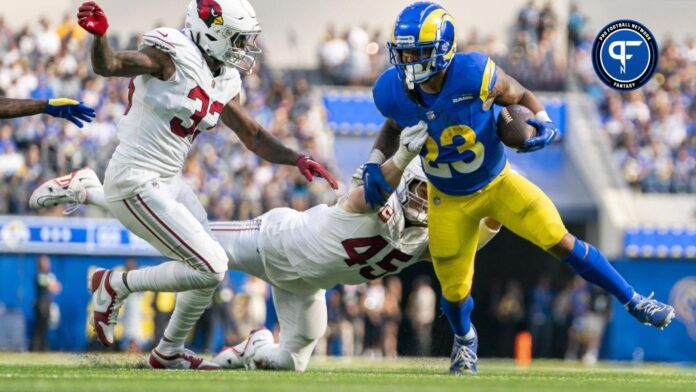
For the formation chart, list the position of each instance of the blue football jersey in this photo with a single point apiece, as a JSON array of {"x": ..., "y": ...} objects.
[{"x": 463, "y": 152}]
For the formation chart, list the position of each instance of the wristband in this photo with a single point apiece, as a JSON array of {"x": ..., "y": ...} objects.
[
  {"x": 542, "y": 116},
  {"x": 402, "y": 157},
  {"x": 376, "y": 156}
]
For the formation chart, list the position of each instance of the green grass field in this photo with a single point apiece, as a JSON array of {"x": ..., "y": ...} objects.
[{"x": 101, "y": 373}]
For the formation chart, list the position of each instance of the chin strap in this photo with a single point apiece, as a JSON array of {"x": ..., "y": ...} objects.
[{"x": 410, "y": 85}]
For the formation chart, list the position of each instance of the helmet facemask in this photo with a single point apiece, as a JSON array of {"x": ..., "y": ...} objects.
[
  {"x": 242, "y": 50},
  {"x": 413, "y": 196},
  {"x": 426, "y": 30},
  {"x": 225, "y": 30},
  {"x": 414, "y": 72},
  {"x": 234, "y": 48}
]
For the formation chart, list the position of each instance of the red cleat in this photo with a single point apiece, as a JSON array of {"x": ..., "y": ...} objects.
[{"x": 106, "y": 305}]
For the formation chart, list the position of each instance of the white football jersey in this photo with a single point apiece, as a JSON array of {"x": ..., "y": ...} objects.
[
  {"x": 327, "y": 245},
  {"x": 163, "y": 117}
]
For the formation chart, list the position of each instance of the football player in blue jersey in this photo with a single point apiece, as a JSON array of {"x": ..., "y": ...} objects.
[{"x": 432, "y": 86}]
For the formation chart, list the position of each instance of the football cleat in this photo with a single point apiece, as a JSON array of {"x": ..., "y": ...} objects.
[
  {"x": 70, "y": 189},
  {"x": 650, "y": 311},
  {"x": 182, "y": 360},
  {"x": 242, "y": 355},
  {"x": 464, "y": 358},
  {"x": 105, "y": 306}
]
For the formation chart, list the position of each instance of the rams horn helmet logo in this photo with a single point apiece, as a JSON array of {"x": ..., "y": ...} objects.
[{"x": 210, "y": 12}]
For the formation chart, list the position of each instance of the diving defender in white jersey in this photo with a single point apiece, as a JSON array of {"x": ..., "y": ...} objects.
[
  {"x": 182, "y": 83},
  {"x": 303, "y": 253}
]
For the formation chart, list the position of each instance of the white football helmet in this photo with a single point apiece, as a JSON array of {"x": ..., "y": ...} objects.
[
  {"x": 411, "y": 191},
  {"x": 226, "y": 30}
]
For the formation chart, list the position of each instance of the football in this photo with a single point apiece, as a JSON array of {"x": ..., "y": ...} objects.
[{"x": 513, "y": 129}]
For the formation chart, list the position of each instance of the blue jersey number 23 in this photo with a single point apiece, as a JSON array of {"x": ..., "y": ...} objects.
[{"x": 447, "y": 137}]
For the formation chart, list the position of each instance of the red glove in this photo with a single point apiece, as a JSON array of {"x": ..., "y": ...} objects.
[
  {"x": 92, "y": 18},
  {"x": 310, "y": 168}
]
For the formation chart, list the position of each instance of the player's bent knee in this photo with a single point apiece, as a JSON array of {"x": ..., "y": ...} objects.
[
  {"x": 456, "y": 292},
  {"x": 207, "y": 279},
  {"x": 219, "y": 277},
  {"x": 564, "y": 247},
  {"x": 218, "y": 259}
]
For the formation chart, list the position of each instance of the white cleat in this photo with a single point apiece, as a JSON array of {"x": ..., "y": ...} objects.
[
  {"x": 242, "y": 355},
  {"x": 105, "y": 304},
  {"x": 183, "y": 360},
  {"x": 70, "y": 189}
]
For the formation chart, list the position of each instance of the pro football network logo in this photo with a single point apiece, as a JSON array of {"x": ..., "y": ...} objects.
[{"x": 624, "y": 54}]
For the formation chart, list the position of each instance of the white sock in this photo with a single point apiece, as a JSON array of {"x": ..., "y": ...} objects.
[
  {"x": 470, "y": 335},
  {"x": 172, "y": 276},
  {"x": 274, "y": 357},
  {"x": 95, "y": 197},
  {"x": 189, "y": 307}
]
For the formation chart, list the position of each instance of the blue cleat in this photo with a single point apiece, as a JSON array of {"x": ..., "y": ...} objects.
[
  {"x": 650, "y": 311},
  {"x": 464, "y": 356}
]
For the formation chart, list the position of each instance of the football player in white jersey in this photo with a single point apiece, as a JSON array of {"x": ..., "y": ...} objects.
[
  {"x": 302, "y": 253},
  {"x": 182, "y": 83}
]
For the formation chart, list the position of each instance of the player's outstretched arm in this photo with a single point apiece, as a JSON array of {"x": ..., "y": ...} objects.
[
  {"x": 267, "y": 146},
  {"x": 107, "y": 62},
  {"x": 385, "y": 146},
  {"x": 355, "y": 201},
  {"x": 387, "y": 141},
  {"x": 508, "y": 91},
  {"x": 66, "y": 108},
  {"x": 11, "y": 108},
  {"x": 411, "y": 141}
]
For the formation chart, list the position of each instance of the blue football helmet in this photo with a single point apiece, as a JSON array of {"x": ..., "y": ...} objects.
[{"x": 428, "y": 29}]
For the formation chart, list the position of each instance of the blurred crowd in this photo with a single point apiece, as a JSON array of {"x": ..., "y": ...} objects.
[
  {"x": 362, "y": 320},
  {"x": 45, "y": 61},
  {"x": 652, "y": 130},
  {"x": 357, "y": 55},
  {"x": 566, "y": 321},
  {"x": 384, "y": 318}
]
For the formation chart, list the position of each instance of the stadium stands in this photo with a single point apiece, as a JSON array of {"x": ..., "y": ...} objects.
[
  {"x": 652, "y": 136},
  {"x": 652, "y": 130},
  {"x": 233, "y": 183}
]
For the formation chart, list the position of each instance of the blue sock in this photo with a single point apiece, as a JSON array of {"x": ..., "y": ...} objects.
[
  {"x": 459, "y": 316},
  {"x": 591, "y": 264}
]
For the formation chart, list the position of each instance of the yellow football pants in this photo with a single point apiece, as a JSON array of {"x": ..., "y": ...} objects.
[{"x": 453, "y": 221}]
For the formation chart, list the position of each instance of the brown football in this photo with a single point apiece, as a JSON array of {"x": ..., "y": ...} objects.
[{"x": 513, "y": 129}]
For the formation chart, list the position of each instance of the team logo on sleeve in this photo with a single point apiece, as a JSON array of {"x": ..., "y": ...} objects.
[
  {"x": 210, "y": 12},
  {"x": 624, "y": 55}
]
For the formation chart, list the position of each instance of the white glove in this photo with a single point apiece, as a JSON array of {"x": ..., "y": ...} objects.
[
  {"x": 411, "y": 142},
  {"x": 413, "y": 137},
  {"x": 356, "y": 179}
]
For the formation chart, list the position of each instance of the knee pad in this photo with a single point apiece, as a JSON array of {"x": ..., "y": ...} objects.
[{"x": 456, "y": 292}]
